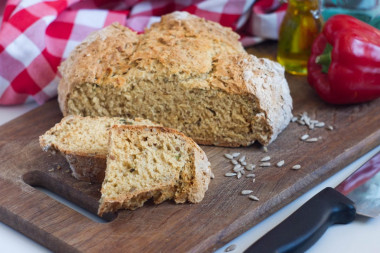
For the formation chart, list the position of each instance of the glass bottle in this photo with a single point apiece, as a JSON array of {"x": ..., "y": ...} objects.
[{"x": 300, "y": 26}]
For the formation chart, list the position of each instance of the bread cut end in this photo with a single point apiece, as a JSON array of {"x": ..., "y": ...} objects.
[
  {"x": 84, "y": 142},
  {"x": 152, "y": 163}
]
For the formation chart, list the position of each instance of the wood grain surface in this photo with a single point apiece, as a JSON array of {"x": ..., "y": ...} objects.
[{"x": 221, "y": 216}]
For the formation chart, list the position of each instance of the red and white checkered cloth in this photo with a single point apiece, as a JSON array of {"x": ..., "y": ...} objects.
[{"x": 36, "y": 35}]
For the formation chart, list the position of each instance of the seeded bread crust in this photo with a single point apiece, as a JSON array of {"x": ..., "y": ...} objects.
[
  {"x": 180, "y": 189},
  {"x": 86, "y": 165},
  {"x": 189, "y": 51}
]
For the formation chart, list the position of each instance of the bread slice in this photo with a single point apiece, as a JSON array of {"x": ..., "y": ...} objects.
[
  {"x": 152, "y": 162},
  {"x": 84, "y": 143},
  {"x": 185, "y": 73}
]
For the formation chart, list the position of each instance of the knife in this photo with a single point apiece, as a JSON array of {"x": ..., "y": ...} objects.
[{"x": 359, "y": 194}]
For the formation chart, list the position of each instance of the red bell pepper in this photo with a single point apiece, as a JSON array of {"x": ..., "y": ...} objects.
[{"x": 344, "y": 66}]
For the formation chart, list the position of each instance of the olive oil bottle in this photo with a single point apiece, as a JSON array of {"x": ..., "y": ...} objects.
[{"x": 300, "y": 26}]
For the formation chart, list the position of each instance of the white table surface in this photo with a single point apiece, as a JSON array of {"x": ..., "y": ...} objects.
[{"x": 362, "y": 235}]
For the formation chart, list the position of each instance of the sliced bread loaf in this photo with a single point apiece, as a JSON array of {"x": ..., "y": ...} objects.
[
  {"x": 152, "y": 162},
  {"x": 184, "y": 72},
  {"x": 84, "y": 143}
]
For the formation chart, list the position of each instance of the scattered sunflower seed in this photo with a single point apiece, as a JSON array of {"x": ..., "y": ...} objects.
[
  {"x": 232, "y": 247},
  {"x": 238, "y": 175},
  {"x": 242, "y": 159},
  {"x": 296, "y": 167},
  {"x": 228, "y": 156},
  {"x": 280, "y": 163},
  {"x": 246, "y": 192},
  {"x": 251, "y": 175},
  {"x": 230, "y": 174},
  {"x": 244, "y": 163},
  {"x": 212, "y": 176},
  {"x": 265, "y": 159},
  {"x": 235, "y": 155},
  {"x": 320, "y": 124},
  {"x": 265, "y": 149},
  {"x": 250, "y": 167},
  {"x": 330, "y": 128},
  {"x": 233, "y": 161},
  {"x": 304, "y": 137},
  {"x": 253, "y": 197},
  {"x": 237, "y": 168},
  {"x": 312, "y": 140},
  {"x": 242, "y": 171},
  {"x": 294, "y": 119},
  {"x": 253, "y": 180},
  {"x": 50, "y": 170},
  {"x": 301, "y": 122},
  {"x": 266, "y": 164}
]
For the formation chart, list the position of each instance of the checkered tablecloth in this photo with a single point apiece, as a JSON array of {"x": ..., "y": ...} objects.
[{"x": 36, "y": 35}]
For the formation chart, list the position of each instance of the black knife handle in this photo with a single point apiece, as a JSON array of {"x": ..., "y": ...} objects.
[{"x": 307, "y": 224}]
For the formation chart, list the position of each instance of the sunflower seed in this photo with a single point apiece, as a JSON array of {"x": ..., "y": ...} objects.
[
  {"x": 228, "y": 156},
  {"x": 242, "y": 171},
  {"x": 294, "y": 119},
  {"x": 244, "y": 163},
  {"x": 212, "y": 176},
  {"x": 235, "y": 154},
  {"x": 238, "y": 175},
  {"x": 233, "y": 161},
  {"x": 266, "y": 164},
  {"x": 232, "y": 247},
  {"x": 230, "y": 174},
  {"x": 296, "y": 167},
  {"x": 330, "y": 128},
  {"x": 304, "y": 137},
  {"x": 250, "y": 167},
  {"x": 265, "y": 159},
  {"x": 320, "y": 124},
  {"x": 253, "y": 197},
  {"x": 253, "y": 180},
  {"x": 237, "y": 168},
  {"x": 50, "y": 170},
  {"x": 301, "y": 122},
  {"x": 280, "y": 163},
  {"x": 312, "y": 140},
  {"x": 246, "y": 192},
  {"x": 251, "y": 175},
  {"x": 242, "y": 159}
]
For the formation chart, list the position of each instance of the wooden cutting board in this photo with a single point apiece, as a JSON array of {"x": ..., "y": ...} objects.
[{"x": 221, "y": 216}]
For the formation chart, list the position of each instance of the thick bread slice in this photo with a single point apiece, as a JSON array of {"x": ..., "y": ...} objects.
[
  {"x": 84, "y": 143},
  {"x": 152, "y": 162},
  {"x": 185, "y": 73}
]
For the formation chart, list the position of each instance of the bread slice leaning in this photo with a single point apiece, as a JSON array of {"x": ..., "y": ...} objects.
[
  {"x": 147, "y": 162},
  {"x": 84, "y": 143},
  {"x": 184, "y": 72}
]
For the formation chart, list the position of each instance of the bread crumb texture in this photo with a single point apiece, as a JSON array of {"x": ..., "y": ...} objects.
[
  {"x": 84, "y": 143},
  {"x": 152, "y": 163},
  {"x": 183, "y": 72}
]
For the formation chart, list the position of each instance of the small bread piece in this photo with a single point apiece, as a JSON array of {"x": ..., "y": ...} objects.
[
  {"x": 152, "y": 162},
  {"x": 84, "y": 143},
  {"x": 185, "y": 73}
]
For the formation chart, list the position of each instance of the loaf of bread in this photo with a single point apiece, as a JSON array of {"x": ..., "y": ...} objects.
[
  {"x": 183, "y": 72},
  {"x": 152, "y": 163},
  {"x": 84, "y": 143}
]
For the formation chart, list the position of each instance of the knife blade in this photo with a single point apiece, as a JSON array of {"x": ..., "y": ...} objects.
[{"x": 358, "y": 194}]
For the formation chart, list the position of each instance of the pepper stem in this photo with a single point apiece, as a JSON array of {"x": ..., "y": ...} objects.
[{"x": 325, "y": 58}]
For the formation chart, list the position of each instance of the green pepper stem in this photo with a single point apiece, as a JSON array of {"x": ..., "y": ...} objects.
[{"x": 325, "y": 58}]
